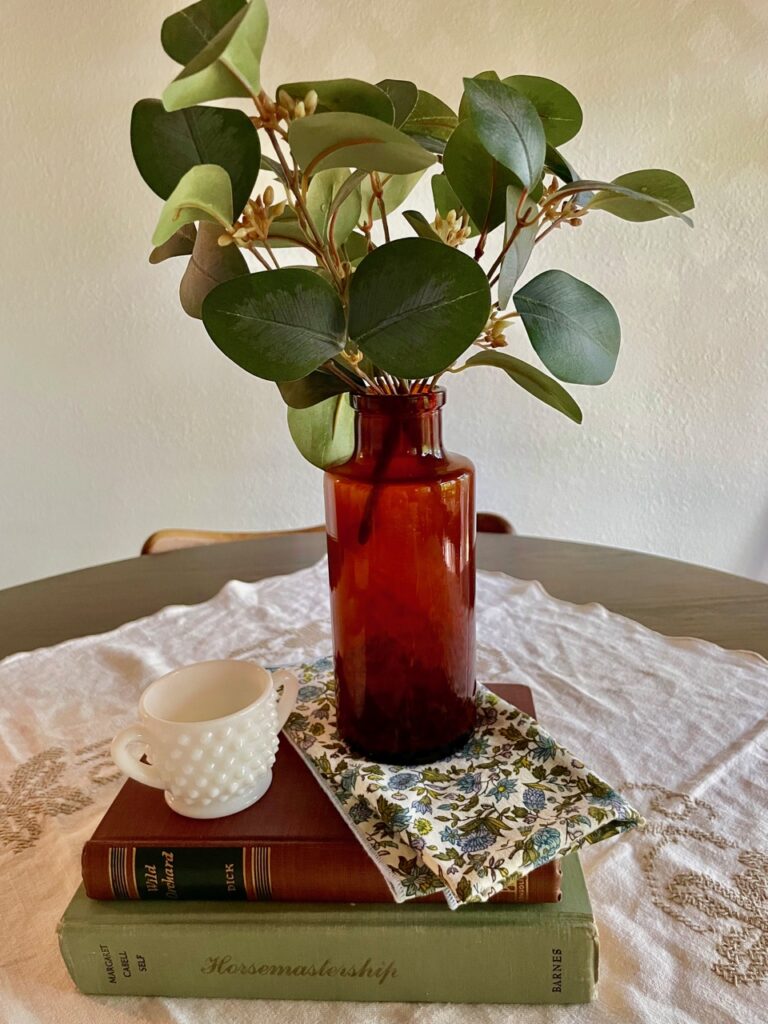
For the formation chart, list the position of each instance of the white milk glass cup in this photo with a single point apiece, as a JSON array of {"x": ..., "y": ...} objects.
[{"x": 210, "y": 733}]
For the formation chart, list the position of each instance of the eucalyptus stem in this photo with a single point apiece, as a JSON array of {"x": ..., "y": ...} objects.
[
  {"x": 342, "y": 374},
  {"x": 259, "y": 257},
  {"x": 302, "y": 207}
]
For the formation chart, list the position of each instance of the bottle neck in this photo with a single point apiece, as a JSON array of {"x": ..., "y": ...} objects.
[{"x": 393, "y": 428}]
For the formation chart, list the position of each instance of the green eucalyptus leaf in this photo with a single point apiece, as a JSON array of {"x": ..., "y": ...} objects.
[
  {"x": 421, "y": 226},
  {"x": 345, "y": 94},
  {"x": 444, "y": 197},
  {"x": 185, "y": 33},
  {"x": 276, "y": 324},
  {"x": 165, "y": 146},
  {"x": 356, "y": 248},
  {"x": 519, "y": 252},
  {"x": 310, "y": 390},
  {"x": 415, "y": 305},
  {"x": 555, "y": 163},
  {"x": 644, "y": 195},
  {"x": 403, "y": 95},
  {"x": 323, "y": 141},
  {"x": 229, "y": 65},
  {"x": 204, "y": 193},
  {"x": 557, "y": 107},
  {"x": 395, "y": 190},
  {"x": 430, "y": 122},
  {"x": 479, "y": 182},
  {"x": 532, "y": 379},
  {"x": 268, "y": 164},
  {"x": 324, "y": 433},
  {"x": 285, "y": 232},
  {"x": 210, "y": 265},
  {"x": 322, "y": 190},
  {"x": 488, "y": 76},
  {"x": 181, "y": 243},
  {"x": 572, "y": 327},
  {"x": 508, "y": 126}
]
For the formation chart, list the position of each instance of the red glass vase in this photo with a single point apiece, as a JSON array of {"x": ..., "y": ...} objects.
[{"x": 400, "y": 517}]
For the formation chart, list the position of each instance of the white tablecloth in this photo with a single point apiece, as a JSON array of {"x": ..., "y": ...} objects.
[{"x": 678, "y": 725}]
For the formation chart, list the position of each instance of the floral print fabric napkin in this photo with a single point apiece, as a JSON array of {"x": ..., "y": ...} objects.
[{"x": 470, "y": 824}]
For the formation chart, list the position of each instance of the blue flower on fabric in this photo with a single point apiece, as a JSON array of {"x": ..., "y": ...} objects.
[
  {"x": 451, "y": 835},
  {"x": 310, "y": 692},
  {"x": 479, "y": 839},
  {"x": 402, "y": 780},
  {"x": 503, "y": 789},
  {"x": 611, "y": 800},
  {"x": 534, "y": 799},
  {"x": 468, "y": 783},
  {"x": 547, "y": 844},
  {"x": 475, "y": 746},
  {"x": 348, "y": 779},
  {"x": 422, "y": 806},
  {"x": 360, "y": 810},
  {"x": 545, "y": 749},
  {"x": 323, "y": 665}
]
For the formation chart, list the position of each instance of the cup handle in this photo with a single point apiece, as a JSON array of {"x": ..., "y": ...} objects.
[
  {"x": 287, "y": 702},
  {"x": 129, "y": 764}
]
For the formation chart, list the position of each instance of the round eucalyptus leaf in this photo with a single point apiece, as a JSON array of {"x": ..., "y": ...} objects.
[
  {"x": 229, "y": 65},
  {"x": 476, "y": 178},
  {"x": 204, "y": 193},
  {"x": 508, "y": 126},
  {"x": 185, "y": 33},
  {"x": 415, "y": 305},
  {"x": 403, "y": 95},
  {"x": 324, "y": 433},
  {"x": 210, "y": 264},
  {"x": 532, "y": 379},
  {"x": 345, "y": 94},
  {"x": 323, "y": 141},
  {"x": 165, "y": 145},
  {"x": 557, "y": 107},
  {"x": 276, "y": 324},
  {"x": 644, "y": 195},
  {"x": 312, "y": 389},
  {"x": 179, "y": 244},
  {"x": 323, "y": 189},
  {"x": 430, "y": 122},
  {"x": 572, "y": 327},
  {"x": 489, "y": 76}
]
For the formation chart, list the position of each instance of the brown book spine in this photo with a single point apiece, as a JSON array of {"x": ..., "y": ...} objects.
[{"x": 289, "y": 872}]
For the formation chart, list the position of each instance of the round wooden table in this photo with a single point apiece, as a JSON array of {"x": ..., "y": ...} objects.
[{"x": 672, "y": 597}]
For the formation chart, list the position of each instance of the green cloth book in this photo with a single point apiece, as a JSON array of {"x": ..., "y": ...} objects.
[{"x": 481, "y": 953}]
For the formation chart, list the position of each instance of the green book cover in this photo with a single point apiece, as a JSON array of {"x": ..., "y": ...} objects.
[{"x": 488, "y": 953}]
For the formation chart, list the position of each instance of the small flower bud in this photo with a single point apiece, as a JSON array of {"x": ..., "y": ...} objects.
[
  {"x": 269, "y": 195},
  {"x": 277, "y": 210},
  {"x": 310, "y": 102},
  {"x": 285, "y": 100},
  {"x": 225, "y": 239},
  {"x": 299, "y": 110},
  {"x": 451, "y": 218}
]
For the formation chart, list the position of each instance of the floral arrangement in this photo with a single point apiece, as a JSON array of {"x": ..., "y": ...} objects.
[{"x": 366, "y": 312}]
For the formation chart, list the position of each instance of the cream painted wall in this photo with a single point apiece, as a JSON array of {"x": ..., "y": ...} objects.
[{"x": 119, "y": 416}]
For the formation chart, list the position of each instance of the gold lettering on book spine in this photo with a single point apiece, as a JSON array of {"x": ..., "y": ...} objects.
[{"x": 260, "y": 877}]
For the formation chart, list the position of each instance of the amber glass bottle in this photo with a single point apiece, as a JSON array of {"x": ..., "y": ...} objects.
[{"x": 400, "y": 517}]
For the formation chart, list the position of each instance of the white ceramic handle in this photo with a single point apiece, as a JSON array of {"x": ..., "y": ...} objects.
[
  {"x": 287, "y": 701},
  {"x": 131, "y": 765}
]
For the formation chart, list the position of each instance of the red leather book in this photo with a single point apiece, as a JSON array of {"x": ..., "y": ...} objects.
[{"x": 291, "y": 846}]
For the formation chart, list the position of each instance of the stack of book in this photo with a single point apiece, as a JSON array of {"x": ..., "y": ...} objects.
[{"x": 281, "y": 901}]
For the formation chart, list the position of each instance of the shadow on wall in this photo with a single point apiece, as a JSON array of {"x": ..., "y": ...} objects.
[{"x": 756, "y": 549}]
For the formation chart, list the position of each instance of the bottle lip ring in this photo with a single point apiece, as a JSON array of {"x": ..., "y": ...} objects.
[{"x": 384, "y": 405}]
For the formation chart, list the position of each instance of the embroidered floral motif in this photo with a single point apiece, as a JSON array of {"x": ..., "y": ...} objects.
[
  {"x": 511, "y": 800},
  {"x": 37, "y": 790},
  {"x": 732, "y": 907}
]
